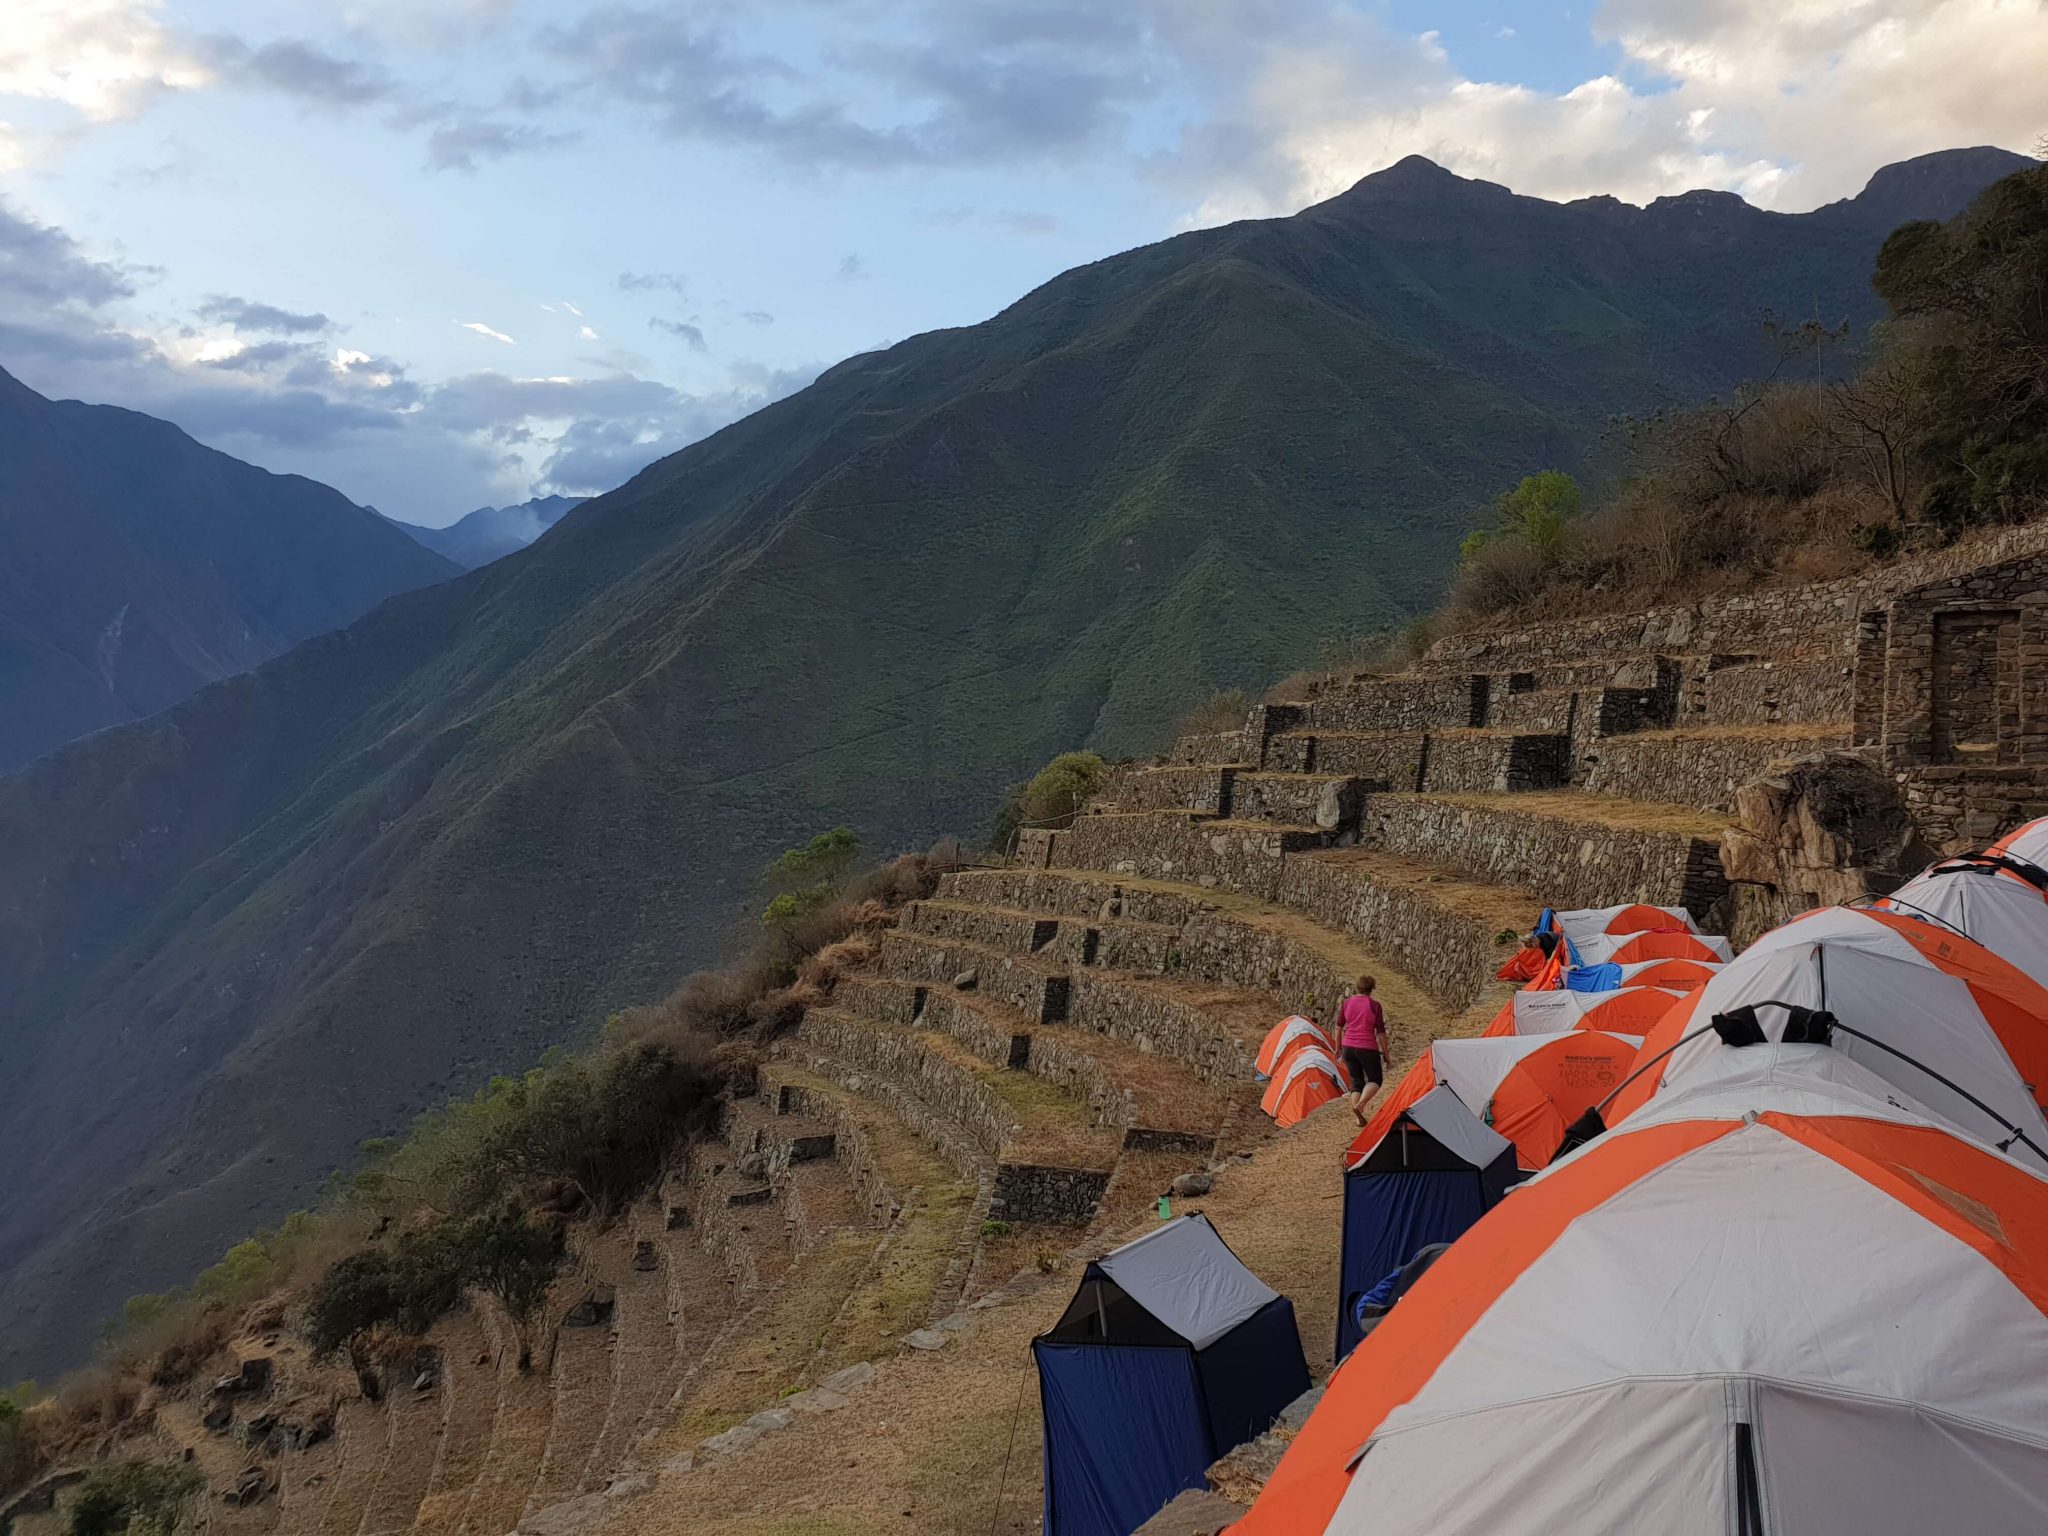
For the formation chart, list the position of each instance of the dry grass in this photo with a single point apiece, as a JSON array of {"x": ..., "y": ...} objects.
[
  {"x": 1592, "y": 810},
  {"x": 1778, "y": 732}
]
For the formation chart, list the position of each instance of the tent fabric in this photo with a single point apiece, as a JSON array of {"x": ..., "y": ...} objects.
[
  {"x": 1625, "y": 1010},
  {"x": 1776, "y": 1255},
  {"x": 1307, "y": 1081},
  {"x": 1678, "y": 975},
  {"x": 2006, "y": 915},
  {"x": 1530, "y": 1088},
  {"x": 1391, "y": 1216},
  {"x": 1185, "y": 1275},
  {"x": 1434, "y": 1110},
  {"x": 1251, "y": 1373},
  {"x": 1934, "y": 995},
  {"x": 1289, "y": 1032},
  {"x": 2028, "y": 843},
  {"x": 1587, "y": 923},
  {"x": 1625, "y": 948},
  {"x": 1125, "y": 1430}
]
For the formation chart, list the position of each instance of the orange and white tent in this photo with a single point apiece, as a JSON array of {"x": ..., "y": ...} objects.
[
  {"x": 1784, "y": 1300},
  {"x": 2028, "y": 843},
  {"x": 1626, "y": 1010},
  {"x": 1585, "y": 924},
  {"x": 1308, "y": 1079},
  {"x": 1932, "y": 1001},
  {"x": 1999, "y": 907},
  {"x": 1676, "y": 975},
  {"x": 1528, "y": 1088},
  {"x": 1284, "y": 1036},
  {"x": 1667, "y": 944}
]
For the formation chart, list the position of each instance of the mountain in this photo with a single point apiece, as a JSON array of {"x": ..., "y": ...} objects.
[
  {"x": 137, "y": 566},
  {"x": 317, "y": 898},
  {"x": 479, "y": 537}
]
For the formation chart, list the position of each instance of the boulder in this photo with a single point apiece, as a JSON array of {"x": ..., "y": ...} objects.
[
  {"x": 1825, "y": 829},
  {"x": 565, "y": 1518},
  {"x": 1337, "y": 804},
  {"x": 218, "y": 1419},
  {"x": 1188, "y": 1185},
  {"x": 851, "y": 1378},
  {"x": 966, "y": 980}
]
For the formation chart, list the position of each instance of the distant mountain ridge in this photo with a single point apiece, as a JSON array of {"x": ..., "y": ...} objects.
[
  {"x": 137, "y": 565},
  {"x": 490, "y": 533},
  {"x": 316, "y": 899}
]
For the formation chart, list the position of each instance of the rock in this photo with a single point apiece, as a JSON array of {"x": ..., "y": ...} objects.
[
  {"x": 593, "y": 1309},
  {"x": 925, "y": 1338},
  {"x": 251, "y": 1484},
  {"x": 425, "y": 1382},
  {"x": 1188, "y": 1185},
  {"x": 1826, "y": 829},
  {"x": 966, "y": 980},
  {"x": 1193, "y": 1512},
  {"x": 218, "y": 1418},
  {"x": 678, "y": 1464},
  {"x": 645, "y": 1259},
  {"x": 770, "y": 1419},
  {"x": 678, "y": 1216},
  {"x": 628, "y": 1485},
  {"x": 1337, "y": 804},
  {"x": 953, "y": 1322},
  {"x": 851, "y": 1379},
  {"x": 817, "y": 1400},
  {"x": 738, "y": 1438},
  {"x": 565, "y": 1518}
]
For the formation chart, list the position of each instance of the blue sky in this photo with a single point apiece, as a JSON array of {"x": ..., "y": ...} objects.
[{"x": 447, "y": 252}]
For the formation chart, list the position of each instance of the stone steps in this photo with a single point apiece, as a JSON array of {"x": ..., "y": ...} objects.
[
  {"x": 643, "y": 1354},
  {"x": 1700, "y": 766},
  {"x": 365, "y": 1445},
  {"x": 1324, "y": 801},
  {"x": 930, "y": 1209},
  {"x": 1578, "y": 850},
  {"x": 519, "y": 1434},
  {"x": 220, "y": 1458},
  {"x": 580, "y": 1381},
  {"x": 413, "y": 1427},
  {"x": 1035, "y": 985},
  {"x": 698, "y": 1304},
  {"x": 1126, "y": 1087},
  {"x": 469, "y": 1403}
]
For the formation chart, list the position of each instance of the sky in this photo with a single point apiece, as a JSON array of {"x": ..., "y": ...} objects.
[{"x": 449, "y": 253}]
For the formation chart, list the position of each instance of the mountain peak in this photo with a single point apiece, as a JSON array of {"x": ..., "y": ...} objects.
[{"x": 1936, "y": 186}]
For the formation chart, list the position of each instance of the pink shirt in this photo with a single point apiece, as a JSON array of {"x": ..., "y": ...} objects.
[{"x": 1364, "y": 1022}]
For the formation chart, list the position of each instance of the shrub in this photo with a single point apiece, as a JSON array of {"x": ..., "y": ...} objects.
[
  {"x": 141, "y": 1498},
  {"x": 514, "y": 1259},
  {"x": 20, "y": 1453},
  {"x": 402, "y": 1289},
  {"x": 1222, "y": 711},
  {"x": 1054, "y": 796}
]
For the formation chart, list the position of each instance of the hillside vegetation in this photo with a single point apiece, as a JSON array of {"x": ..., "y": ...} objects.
[
  {"x": 137, "y": 566},
  {"x": 316, "y": 900}
]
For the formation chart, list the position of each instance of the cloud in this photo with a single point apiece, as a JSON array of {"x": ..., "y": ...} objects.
[
  {"x": 757, "y": 317},
  {"x": 301, "y": 69},
  {"x": 931, "y": 82},
  {"x": 851, "y": 268},
  {"x": 461, "y": 140},
  {"x": 242, "y": 315},
  {"x": 585, "y": 333},
  {"x": 484, "y": 330},
  {"x": 683, "y": 329},
  {"x": 1790, "y": 106},
  {"x": 103, "y": 59},
  {"x": 42, "y": 266},
  {"x": 644, "y": 282}
]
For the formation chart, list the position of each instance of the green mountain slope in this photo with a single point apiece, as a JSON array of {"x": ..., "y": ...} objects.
[
  {"x": 315, "y": 899},
  {"x": 137, "y": 566}
]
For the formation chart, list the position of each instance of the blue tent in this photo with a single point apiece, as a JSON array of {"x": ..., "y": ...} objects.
[
  {"x": 1171, "y": 1354},
  {"x": 1436, "y": 1171}
]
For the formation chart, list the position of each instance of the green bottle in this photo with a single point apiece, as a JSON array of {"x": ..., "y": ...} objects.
[{"x": 1165, "y": 1209}]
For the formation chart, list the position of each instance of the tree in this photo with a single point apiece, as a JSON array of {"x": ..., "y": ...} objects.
[
  {"x": 1055, "y": 794},
  {"x": 807, "y": 879},
  {"x": 515, "y": 1260},
  {"x": 1540, "y": 511},
  {"x": 1874, "y": 419}
]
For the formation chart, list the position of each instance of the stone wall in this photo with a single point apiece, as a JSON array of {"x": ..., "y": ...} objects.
[
  {"x": 1958, "y": 808},
  {"x": 1573, "y": 864},
  {"x": 1450, "y": 954},
  {"x": 957, "y": 1144},
  {"x": 1772, "y": 693},
  {"x": 1383, "y": 760},
  {"x": 1480, "y": 762},
  {"x": 1017, "y": 982},
  {"x": 1965, "y": 670},
  {"x": 856, "y": 1149},
  {"x": 1215, "y": 747},
  {"x": 1297, "y": 799},
  {"x": 1703, "y": 771},
  {"x": 1238, "y": 856},
  {"x": 1204, "y": 790},
  {"x": 907, "y": 1062},
  {"x": 1031, "y": 1192},
  {"x": 1154, "y": 1020}
]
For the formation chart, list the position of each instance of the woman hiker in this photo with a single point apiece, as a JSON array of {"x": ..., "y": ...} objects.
[{"x": 1362, "y": 1039}]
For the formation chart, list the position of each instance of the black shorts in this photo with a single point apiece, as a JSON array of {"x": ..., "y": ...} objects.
[{"x": 1361, "y": 1066}]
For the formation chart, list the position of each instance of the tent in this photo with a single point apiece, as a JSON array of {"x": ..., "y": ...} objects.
[
  {"x": 1171, "y": 1354},
  {"x": 1434, "y": 1171},
  {"x": 1289, "y": 1032},
  {"x": 1529, "y": 1088},
  {"x": 2028, "y": 844},
  {"x": 1308, "y": 1079},
  {"x": 1626, "y": 1010},
  {"x": 1931, "y": 1001},
  {"x": 1627, "y": 948},
  {"x": 1784, "y": 1300},
  {"x": 1678, "y": 975},
  {"x": 1585, "y": 924},
  {"x": 2002, "y": 904}
]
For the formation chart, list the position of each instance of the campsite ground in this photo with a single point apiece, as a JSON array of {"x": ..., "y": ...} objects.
[{"x": 923, "y": 1447}]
